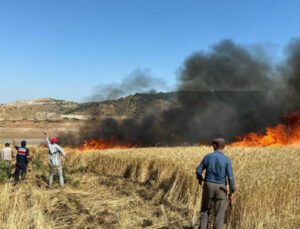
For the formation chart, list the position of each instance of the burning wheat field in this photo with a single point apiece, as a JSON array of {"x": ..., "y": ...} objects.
[
  {"x": 139, "y": 170},
  {"x": 132, "y": 152},
  {"x": 153, "y": 188}
]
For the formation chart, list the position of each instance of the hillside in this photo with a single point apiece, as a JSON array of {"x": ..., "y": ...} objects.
[
  {"x": 51, "y": 109},
  {"x": 27, "y": 119},
  {"x": 130, "y": 106},
  {"x": 136, "y": 105},
  {"x": 35, "y": 110}
]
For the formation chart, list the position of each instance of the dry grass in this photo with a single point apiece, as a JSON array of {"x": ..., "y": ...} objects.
[{"x": 154, "y": 187}]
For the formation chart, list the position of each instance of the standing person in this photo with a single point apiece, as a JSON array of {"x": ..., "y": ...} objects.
[
  {"x": 7, "y": 157},
  {"x": 21, "y": 160},
  {"x": 55, "y": 151},
  {"x": 218, "y": 169}
]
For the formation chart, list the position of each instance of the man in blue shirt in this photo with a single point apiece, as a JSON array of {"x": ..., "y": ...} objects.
[{"x": 218, "y": 171}]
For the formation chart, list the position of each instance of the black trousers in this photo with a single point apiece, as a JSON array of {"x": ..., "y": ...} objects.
[{"x": 21, "y": 169}]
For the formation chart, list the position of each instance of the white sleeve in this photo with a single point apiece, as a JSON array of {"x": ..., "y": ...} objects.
[
  {"x": 48, "y": 142},
  {"x": 61, "y": 150}
]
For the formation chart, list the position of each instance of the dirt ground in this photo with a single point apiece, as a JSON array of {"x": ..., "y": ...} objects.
[{"x": 32, "y": 131}]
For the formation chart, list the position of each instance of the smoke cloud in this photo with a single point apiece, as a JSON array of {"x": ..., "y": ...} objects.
[
  {"x": 139, "y": 81},
  {"x": 228, "y": 91},
  {"x": 292, "y": 68},
  {"x": 227, "y": 66}
]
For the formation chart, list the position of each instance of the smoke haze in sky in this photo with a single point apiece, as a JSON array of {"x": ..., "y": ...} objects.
[
  {"x": 224, "y": 92},
  {"x": 139, "y": 81}
]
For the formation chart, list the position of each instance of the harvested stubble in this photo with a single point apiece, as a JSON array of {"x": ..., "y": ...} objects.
[
  {"x": 156, "y": 187},
  {"x": 268, "y": 179}
]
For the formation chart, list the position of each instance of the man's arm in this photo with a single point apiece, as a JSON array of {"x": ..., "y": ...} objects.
[
  {"x": 230, "y": 176},
  {"x": 47, "y": 139},
  {"x": 61, "y": 150},
  {"x": 14, "y": 144},
  {"x": 200, "y": 169},
  {"x": 28, "y": 154}
]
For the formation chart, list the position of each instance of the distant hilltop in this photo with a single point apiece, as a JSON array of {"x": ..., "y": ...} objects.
[
  {"x": 40, "y": 101},
  {"x": 48, "y": 109},
  {"x": 36, "y": 109}
]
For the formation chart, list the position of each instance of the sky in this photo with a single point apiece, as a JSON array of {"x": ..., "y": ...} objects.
[{"x": 64, "y": 48}]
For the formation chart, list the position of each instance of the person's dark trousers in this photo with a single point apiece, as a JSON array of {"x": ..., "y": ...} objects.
[
  {"x": 20, "y": 170},
  {"x": 213, "y": 194}
]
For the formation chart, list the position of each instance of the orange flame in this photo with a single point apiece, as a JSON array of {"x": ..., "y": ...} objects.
[
  {"x": 286, "y": 133},
  {"x": 103, "y": 144}
]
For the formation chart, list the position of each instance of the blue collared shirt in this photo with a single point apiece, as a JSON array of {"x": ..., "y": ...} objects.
[{"x": 218, "y": 167}]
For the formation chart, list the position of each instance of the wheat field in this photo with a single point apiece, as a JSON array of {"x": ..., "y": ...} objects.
[{"x": 152, "y": 188}]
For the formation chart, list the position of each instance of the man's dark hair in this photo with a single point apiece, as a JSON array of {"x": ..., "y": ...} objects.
[
  {"x": 7, "y": 144},
  {"x": 218, "y": 143},
  {"x": 23, "y": 143}
]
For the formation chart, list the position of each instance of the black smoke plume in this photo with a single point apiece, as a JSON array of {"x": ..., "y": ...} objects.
[
  {"x": 228, "y": 67},
  {"x": 228, "y": 91}
]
